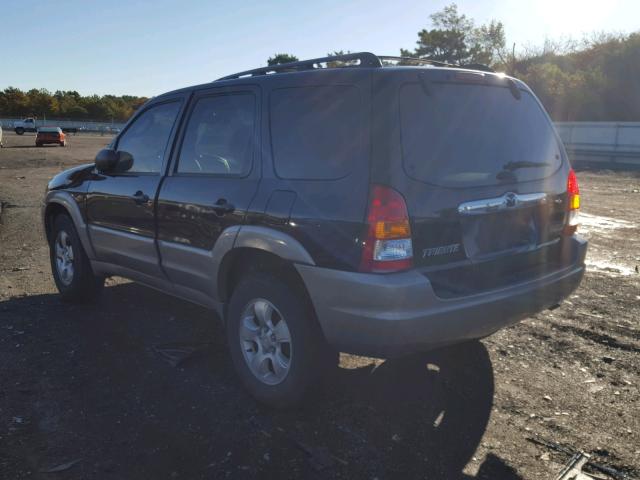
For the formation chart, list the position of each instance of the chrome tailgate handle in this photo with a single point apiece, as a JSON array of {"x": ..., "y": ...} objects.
[{"x": 507, "y": 201}]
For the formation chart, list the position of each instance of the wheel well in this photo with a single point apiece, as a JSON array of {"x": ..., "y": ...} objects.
[
  {"x": 241, "y": 261},
  {"x": 50, "y": 213}
]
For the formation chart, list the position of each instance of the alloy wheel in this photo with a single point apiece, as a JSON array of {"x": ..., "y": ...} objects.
[
  {"x": 64, "y": 257},
  {"x": 265, "y": 341}
]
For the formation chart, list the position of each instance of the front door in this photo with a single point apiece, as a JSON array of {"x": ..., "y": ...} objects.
[
  {"x": 210, "y": 185},
  {"x": 120, "y": 205}
]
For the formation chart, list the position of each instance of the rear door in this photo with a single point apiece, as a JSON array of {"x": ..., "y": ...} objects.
[
  {"x": 316, "y": 178},
  {"x": 212, "y": 180},
  {"x": 120, "y": 205},
  {"x": 480, "y": 166}
]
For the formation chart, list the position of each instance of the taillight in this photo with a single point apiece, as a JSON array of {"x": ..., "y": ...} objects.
[
  {"x": 387, "y": 245},
  {"x": 573, "y": 203}
]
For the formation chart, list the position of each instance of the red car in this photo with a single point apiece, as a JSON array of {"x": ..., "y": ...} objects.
[{"x": 47, "y": 135}]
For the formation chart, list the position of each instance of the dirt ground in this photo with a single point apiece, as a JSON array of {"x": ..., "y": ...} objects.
[{"x": 83, "y": 389}]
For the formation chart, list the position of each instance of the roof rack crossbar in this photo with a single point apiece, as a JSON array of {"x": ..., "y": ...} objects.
[
  {"x": 437, "y": 63},
  {"x": 366, "y": 59},
  {"x": 414, "y": 60}
]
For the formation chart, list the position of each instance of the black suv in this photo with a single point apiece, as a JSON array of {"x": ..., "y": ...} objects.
[{"x": 357, "y": 203}]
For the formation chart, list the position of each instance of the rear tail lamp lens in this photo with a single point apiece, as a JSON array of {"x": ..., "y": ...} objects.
[
  {"x": 573, "y": 203},
  {"x": 387, "y": 245},
  {"x": 573, "y": 191}
]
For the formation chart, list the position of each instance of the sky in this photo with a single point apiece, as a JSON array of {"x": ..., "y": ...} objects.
[{"x": 149, "y": 47}]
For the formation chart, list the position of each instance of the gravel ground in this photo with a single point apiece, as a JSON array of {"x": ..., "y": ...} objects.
[{"x": 84, "y": 390}]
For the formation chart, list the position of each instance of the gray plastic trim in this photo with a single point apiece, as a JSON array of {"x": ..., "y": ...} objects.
[
  {"x": 125, "y": 248},
  {"x": 160, "y": 284},
  {"x": 273, "y": 241},
  {"x": 387, "y": 315},
  {"x": 197, "y": 268},
  {"x": 68, "y": 202}
]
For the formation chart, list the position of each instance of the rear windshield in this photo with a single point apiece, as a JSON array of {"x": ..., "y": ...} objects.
[
  {"x": 458, "y": 135},
  {"x": 49, "y": 130}
]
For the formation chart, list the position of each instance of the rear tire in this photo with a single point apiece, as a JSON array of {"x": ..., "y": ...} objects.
[
  {"x": 63, "y": 144},
  {"x": 276, "y": 372},
  {"x": 38, "y": 144},
  {"x": 70, "y": 265}
]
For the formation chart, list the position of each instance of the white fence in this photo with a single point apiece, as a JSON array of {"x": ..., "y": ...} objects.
[
  {"x": 90, "y": 126},
  {"x": 613, "y": 143}
]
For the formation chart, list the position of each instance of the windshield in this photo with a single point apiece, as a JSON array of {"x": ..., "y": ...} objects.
[{"x": 469, "y": 135}]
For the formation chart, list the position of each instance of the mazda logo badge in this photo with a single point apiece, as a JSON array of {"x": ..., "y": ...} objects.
[{"x": 511, "y": 199}]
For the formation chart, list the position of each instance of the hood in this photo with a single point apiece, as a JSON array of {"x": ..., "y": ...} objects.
[{"x": 71, "y": 177}]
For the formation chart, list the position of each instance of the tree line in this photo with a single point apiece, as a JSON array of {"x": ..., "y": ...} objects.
[{"x": 67, "y": 104}]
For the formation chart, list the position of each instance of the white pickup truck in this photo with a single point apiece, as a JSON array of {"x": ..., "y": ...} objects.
[
  {"x": 30, "y": 124},
  {"x": 26, "y": 125}
]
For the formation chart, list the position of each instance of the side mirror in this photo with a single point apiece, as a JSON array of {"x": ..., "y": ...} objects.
[
  {"x": 106, "y": 160},
  {"x": 109, "y": 160},
  {"x": 125, "y": 161}
]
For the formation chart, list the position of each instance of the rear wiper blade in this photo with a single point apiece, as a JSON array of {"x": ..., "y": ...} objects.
[
  {"x": 425, "y": 84},
  {"x": 511, "y": 166}
]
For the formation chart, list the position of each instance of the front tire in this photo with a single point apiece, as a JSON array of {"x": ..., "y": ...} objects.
[
  {"x": 70, "y": 265},
  {"x": 19, "y": 130},
  {"x": 276, "y": 346}
]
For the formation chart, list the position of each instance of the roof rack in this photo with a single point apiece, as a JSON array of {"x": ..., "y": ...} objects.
[
  {"x": 348, "y": 60},
  {"x": 363, "y": 59}
]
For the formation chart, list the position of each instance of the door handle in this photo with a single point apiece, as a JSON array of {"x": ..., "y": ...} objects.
[
  {"x": 222, "y": 206},
  {"x": 140, "y": 198}
]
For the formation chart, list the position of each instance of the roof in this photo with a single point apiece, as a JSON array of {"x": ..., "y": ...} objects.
[{"x": 349, "y": 61}]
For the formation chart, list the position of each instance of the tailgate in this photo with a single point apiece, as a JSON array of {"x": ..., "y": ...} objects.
[{"x": 480, "y": 166}]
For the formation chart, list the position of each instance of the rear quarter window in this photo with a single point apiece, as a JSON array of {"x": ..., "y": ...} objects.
[
  {"x": 316, "y": 131},
  {"x": 463, "y": 135}
]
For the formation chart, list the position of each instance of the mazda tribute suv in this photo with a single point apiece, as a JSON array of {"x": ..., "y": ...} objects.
[{"x": 362, "y": 204}]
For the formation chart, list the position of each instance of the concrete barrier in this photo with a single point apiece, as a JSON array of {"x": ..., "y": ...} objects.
[{"x": 616, "y": 144}]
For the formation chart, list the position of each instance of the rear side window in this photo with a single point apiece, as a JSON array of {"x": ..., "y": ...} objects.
[
  {"x": 471, "y": 135},
  {"x": 220, "y": 135},
  {"x": 316, "y": 132}
]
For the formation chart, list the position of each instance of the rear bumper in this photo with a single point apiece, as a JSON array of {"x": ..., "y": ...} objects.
[{"x": 396, "y": 314}]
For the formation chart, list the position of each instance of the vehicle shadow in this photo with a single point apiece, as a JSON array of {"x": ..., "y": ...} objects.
[{"x": 87, "y": 382}]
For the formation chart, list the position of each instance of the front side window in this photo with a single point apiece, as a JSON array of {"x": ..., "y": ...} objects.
[
  {"x": 220, "y": 135},
  {"x": 147, "y": 138}
]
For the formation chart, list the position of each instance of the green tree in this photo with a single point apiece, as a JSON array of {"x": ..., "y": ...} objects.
[
  {"x": 13, "y": 102},
  {"x": 594, "y": 80},
  {"x": 280, "y": 58},
  {"x": 67, "y": 104},
  {"x": 454, "y": 38},
  {"x": 42, "y": 103}
]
